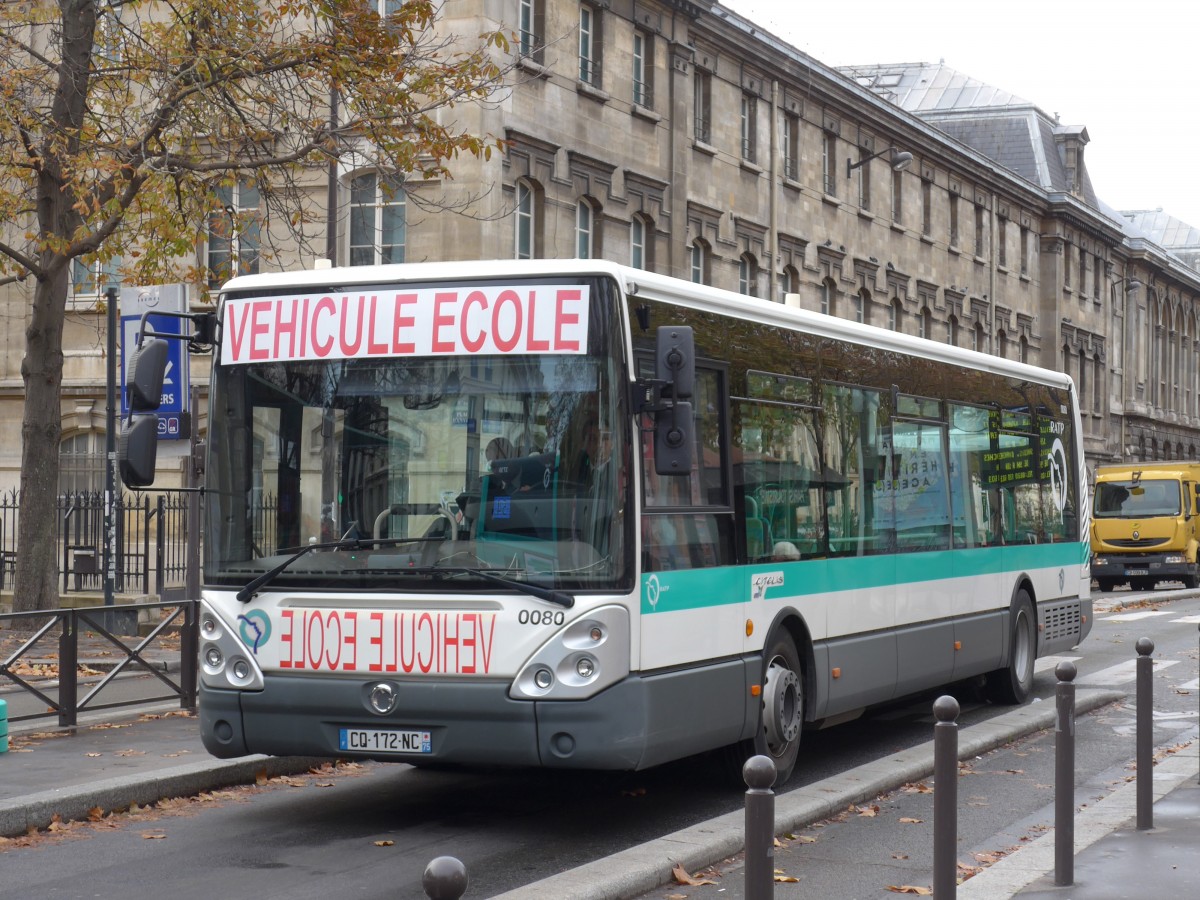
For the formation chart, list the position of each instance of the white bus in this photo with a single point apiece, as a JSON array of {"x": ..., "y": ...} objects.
[{"x": 571, "y": 514}]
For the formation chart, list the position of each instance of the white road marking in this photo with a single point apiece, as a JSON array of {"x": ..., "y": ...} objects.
[{"x": 1121, "y": 673}]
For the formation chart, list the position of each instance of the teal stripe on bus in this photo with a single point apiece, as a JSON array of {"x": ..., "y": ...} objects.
[{"x": 684, "y": 589}]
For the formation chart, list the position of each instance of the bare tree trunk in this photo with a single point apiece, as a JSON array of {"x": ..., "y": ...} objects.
[{"x": 36, "y": 584}]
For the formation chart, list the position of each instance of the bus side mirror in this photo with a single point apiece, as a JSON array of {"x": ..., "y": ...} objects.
[
  {"x": 674, "y": 440},
  {"x": 147, "y": 369},
  {"x": 675, "y": 359},
  {"x": 139, "y": 450}
]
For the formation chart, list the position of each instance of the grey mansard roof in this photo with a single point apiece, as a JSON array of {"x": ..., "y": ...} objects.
[{"x": 1007, "y": 129}]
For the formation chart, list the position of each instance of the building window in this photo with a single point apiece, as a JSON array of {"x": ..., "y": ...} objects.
[
  {"x": 92, "y": 278},
  {"x": 862, "y": 303},
  {"x": 699, "y": 262},
  {"x": 526, "y": 221},
  {"x": 927, "y": 208},
  {"x": 897, "y": 197},
  {"x": 1098, "y": 386},
  {"x": 979, "y": 232},
  {"x": 1002, "y": 242},
  {"x": 864, "y": 182},
  {"x": 1024, "y": 251},
  {"x": 640, "y": 231},
  {"x": 1067, "y": 266},
  {"x": 1001, "y": 344},
  {"x": 702, "y": 88},
  {"x": 748, "y": 275},
  {"x": 789, "y": 283},
  {"x": 791, "y": 147},
  {"x": 589, "y": 46},
  {"x": 926, "y": 326},
  {"x": 234, "y": 233},
  {"x": 377, "y": 220},
  {"x": 1097, "y": 279},
  {"x": 828, "y": 297},
  {"x": 954, "y": 220},
  {"x": 1083, "y": 273},
  {"x": 952, "y": 331},
  {"x": 643, "y": 69},
  {"x": 749, "y": 127},
  {"x": 979, "y": 339},
  {"x": 1023, "y": 349},
  {"x": 896, "y": 315},
  {"x": 829, "y": 167},
  {"x": 585, "y": 217},
  {"x": 530, "y": 26},
  {"x": 81, "y": 459}
]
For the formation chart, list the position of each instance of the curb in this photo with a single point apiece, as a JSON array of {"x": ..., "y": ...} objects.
[
  {"x": 20, "y": 814},
  {"x": 638, "y": 870}
]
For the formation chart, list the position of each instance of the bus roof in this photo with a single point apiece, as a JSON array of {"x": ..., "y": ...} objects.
[{"x": 654, "y": 286}]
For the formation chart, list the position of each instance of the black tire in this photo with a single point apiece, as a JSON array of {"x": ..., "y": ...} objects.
[
  {"x": 1013, "y": 684},
  {"x": 781, "y": 712},
  {"x": 1141, "y": 584},
  {"x": 1189, "y": 580},
  {"x": 1106, "y": 585}
]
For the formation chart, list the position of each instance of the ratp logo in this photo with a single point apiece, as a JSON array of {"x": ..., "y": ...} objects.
[
  {"x": 255, "y": 629},
  {"x": 762, "y": 581}
]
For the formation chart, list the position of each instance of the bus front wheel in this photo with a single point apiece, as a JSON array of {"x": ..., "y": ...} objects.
[
  {"x": 782, "y": 715},
  {"x": 1013, "y": 683}
]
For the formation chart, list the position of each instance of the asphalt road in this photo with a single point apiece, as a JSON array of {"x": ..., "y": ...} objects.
[{"x": 370, "y": 831}]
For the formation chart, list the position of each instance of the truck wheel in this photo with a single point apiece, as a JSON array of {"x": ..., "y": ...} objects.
[
  {"x": 1189, "y": 581},
  {"x": 1106, "y": 584},
  {"x": 1013, "y": 683},
  {"x": 1141, "y": 584}
]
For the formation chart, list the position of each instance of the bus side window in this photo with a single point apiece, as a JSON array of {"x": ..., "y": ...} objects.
[{"x": 684, "y": 541}]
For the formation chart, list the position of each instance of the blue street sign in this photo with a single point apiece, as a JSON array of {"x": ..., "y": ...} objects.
[{"x": 173, "y": 411}]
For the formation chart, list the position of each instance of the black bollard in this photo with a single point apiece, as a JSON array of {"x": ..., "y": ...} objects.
[
  {"x": 445, "y": 878},
  {"x": 1145, "y": 735},
  {"x": 1064, "y": 775},
  {"x": 945, "y": 797},
  {"x": 759, "y": 773}
]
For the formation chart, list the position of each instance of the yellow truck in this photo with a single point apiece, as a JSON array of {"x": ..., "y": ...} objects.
[{"x": 1144, "y": 524}]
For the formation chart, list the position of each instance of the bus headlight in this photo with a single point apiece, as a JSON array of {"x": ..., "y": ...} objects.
[
  {"x": 225, "y": 661},
  {"x": 585, "y": 657}
]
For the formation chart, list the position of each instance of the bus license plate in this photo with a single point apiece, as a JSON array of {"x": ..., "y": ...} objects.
[
  {"x": 1137, "y": 571},
  {"x": 375, "y": 740}
]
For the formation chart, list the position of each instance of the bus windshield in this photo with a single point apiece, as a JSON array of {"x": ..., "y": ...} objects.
[
  {"x": 1136, "y": 500},
  {"x": 421, "y": 469}
]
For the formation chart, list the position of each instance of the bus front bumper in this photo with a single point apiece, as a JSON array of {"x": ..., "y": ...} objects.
[{"x": 467, "y": 723}]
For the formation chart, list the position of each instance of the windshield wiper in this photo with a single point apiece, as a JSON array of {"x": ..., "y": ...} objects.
[
  {"x": 247, "y": 593},
  {"x": 549, "y": 595},
  {"x": 559, "y": 598}
]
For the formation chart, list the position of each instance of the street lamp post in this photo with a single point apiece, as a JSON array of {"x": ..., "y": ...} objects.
[{"x": 110, "y": 454}]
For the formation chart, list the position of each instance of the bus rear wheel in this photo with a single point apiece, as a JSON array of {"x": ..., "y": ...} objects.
[
  {"x": 1014, "y": 683},
  {"x": 782, "y": 712}
]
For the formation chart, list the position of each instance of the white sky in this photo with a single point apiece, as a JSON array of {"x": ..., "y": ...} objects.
[{"x": 1126, "y": 72}]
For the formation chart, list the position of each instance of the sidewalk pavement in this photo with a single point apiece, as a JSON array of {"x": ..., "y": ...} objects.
[{"x": 112, "y": 762}]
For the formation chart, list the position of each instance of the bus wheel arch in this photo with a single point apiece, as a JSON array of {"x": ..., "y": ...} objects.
[{"x": 1012, "y": 683}]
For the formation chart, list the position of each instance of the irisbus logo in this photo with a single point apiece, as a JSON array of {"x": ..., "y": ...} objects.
[{"x": 762, "y": 581}]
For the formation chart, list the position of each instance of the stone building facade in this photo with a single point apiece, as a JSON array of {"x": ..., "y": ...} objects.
[{"x": 680, "y": 137}]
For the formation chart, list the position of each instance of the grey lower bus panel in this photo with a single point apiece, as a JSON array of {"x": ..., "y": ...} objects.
[{"x": 640, "y": 722}]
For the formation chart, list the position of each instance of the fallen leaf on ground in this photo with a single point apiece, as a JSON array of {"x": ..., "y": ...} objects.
[
  {"x": 910, "y": 889},
  {"x": 785, "y": 879},
  {"x": 153, "y": 836},
  {"x": 681, "y": 876},
  {"x": 908, "y": 820},
  {"x": 384, "y": 843},
  {"x": 868, "y": 811}
]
